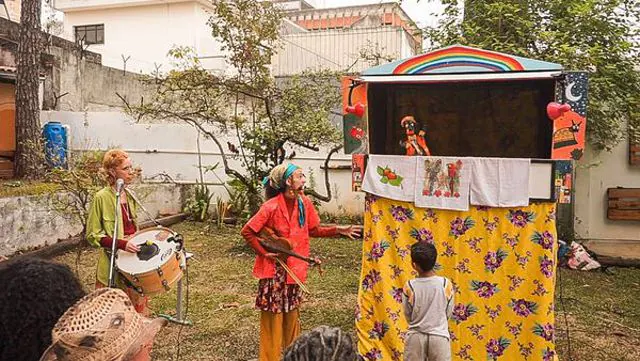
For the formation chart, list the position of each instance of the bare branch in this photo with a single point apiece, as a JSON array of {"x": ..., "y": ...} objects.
[{"x": 312, "y": 192}]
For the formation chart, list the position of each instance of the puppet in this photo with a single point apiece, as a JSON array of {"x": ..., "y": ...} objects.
[{"x": 415, "y": 143}]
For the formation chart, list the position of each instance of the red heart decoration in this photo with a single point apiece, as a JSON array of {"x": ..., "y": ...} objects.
[
  {"x": 555, "y": 110},
  {"x": 357, "y": 109}
]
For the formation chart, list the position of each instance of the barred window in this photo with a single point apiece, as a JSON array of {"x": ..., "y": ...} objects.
[{"x": 90, "y": 34}]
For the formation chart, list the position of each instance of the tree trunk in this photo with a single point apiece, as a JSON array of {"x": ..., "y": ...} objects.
[{"x": 28, "y": 141}]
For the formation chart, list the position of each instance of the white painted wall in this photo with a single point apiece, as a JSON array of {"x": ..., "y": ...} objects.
[
  {"x": 610, "y": 170},
  {"x": 146, "y": 33},
  {"x": 171, "y": 148}
]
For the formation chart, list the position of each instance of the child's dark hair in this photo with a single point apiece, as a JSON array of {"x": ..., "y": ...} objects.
[{"x": 424, "y": 255}]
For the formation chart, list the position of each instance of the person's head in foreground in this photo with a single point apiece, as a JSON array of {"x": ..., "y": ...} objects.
[
  {"x": 34, "y": 293},
  {"x": 103, "y": 326},
  {"x": 323, "y": 343},
  {"x": 423, "y": 257}
]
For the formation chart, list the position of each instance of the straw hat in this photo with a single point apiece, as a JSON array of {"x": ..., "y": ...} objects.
[{"x": 101, "y": 326}]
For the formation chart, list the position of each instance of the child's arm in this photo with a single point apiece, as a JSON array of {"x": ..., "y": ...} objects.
[
  {"x": 408, "y": 300},
  {"x": 449, "y": 294}
]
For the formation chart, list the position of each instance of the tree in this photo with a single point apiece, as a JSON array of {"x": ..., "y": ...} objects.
[
  {"x": 598, "y": 36},
  {"x": 263, "y": 116},
  {"x": 28, "y": 140}
]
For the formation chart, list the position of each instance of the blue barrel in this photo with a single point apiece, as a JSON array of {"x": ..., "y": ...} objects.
[{"x": 55, "y": 140}]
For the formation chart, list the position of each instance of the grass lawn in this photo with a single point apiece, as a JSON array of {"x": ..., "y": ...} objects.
[{"x": 602, "y": 310}]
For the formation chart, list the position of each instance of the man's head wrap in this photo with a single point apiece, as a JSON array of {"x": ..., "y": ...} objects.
[{"x": 277, "y": 179}]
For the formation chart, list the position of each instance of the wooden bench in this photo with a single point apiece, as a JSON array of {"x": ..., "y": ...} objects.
[{"x": 624, "y": 204}]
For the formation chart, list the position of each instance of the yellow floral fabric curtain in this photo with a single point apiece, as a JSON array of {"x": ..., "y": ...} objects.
[{"x": 502, "y": 262}]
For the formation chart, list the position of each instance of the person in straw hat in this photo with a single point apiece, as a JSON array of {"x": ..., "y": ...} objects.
[
  {"x": 103, "y": 325},
  {"x": 290, "y": 214}
]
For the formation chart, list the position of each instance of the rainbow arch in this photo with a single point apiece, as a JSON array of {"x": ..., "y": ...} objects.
[{"x": 458, "y": 56}]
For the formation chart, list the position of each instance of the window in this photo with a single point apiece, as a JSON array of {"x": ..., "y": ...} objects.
[{"x": 90, "y": 34}]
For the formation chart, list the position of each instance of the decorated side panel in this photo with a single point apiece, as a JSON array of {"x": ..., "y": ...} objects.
[
  {"x": 354, "y": 115},
  {"x": 569, "y": 116}
]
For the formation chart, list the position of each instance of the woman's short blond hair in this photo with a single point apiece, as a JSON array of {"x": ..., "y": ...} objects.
[{"x": 112, "y": 160}]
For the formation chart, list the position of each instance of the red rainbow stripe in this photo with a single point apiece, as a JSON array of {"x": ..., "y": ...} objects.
[{"x": 458, "y": 56}]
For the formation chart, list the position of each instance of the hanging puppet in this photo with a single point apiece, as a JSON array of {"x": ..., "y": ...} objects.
[{"x": 415, "y": 143}]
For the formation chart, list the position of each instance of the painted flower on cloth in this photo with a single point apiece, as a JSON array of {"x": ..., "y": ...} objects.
[
  {"x": 394, "y": 316},
  {"x": 484, "y": 289},
  {"x": 394, "y": 233},
  {"x": 525, "y": 350},
  {"x": 493, "y": 313},
  {"x": 396, "y": 293},
  {"x": 373, "y": 355},
  {"x": 473, "y": 244},
  {"x": 459, "y": 226},
  {"x": 540, "y": 290},
  {"x": 546, "y": 266},
  {"x": 448, "y": 250},
  {"x": 375, "y": 218},
  {"x": 520, "y": 218},
  {"x": 378, "y": 249},
  {"x": 378, "y": 331},
  {"x": 463, "y": 266},
  {"x": 403, "y": 251},
  {"x": 544, "y": 239},
  {"x": 523, "y": 307},
  {"x": 422, "y": 235},
  {"x": 401, "y": 214},
  {"x": 548, "y": 354},
  {"x": 370, "y": 280},
  {"x": 462, "y": 312},
  {"x": 396, "y": 355},
  {"x": 515, "y": 329},
  {"x": 522, "y": 260},
  {"x": 490, "y": 226},
  {"x": 495, "y": 347},
  {"x": 516, "y": 281},
  {"x": 396, "y": 271},
  {"x": 511, "y": 241},
  {"x": 369, "y": 201},
  {"x": 464, "y": 352},
  {"x": 545, "y": 330},
  {"x": 430, "y": 214},
  {"x": 493, "y": 260},
  {"x": 475, "y": 330}
]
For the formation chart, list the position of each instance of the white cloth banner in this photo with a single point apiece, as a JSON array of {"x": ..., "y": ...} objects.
[
  {"x": 442, "y": 183},
  {"x": 390, "y": 176},
  {"x": 500, "y": 182}
]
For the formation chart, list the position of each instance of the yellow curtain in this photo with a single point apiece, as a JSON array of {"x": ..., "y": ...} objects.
[{"x": 502, "y": 262}]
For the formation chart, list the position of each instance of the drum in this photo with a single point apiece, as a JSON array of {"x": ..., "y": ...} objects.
[{"x": 159, "y": 263}]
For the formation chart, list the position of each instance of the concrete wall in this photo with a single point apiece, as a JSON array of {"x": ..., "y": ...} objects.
[
  {"x": 609, "y": 170},
  {"x": 69, "y": 69},
  {"x": 31, "y": 222},
  {"x": 146, "y": 33},
  {"x": 171, "y": 148}
]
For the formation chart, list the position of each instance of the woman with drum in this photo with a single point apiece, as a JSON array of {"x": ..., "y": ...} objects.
[
  {"x": 290, "y": 215},
  {"x": 102, "y": 217}
]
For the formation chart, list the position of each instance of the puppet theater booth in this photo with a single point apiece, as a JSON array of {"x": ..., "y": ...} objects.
[{"x": 501, "y": 132}]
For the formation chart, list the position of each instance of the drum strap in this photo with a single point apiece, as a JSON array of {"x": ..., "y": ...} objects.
[{"x": 293, "y": 276}]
